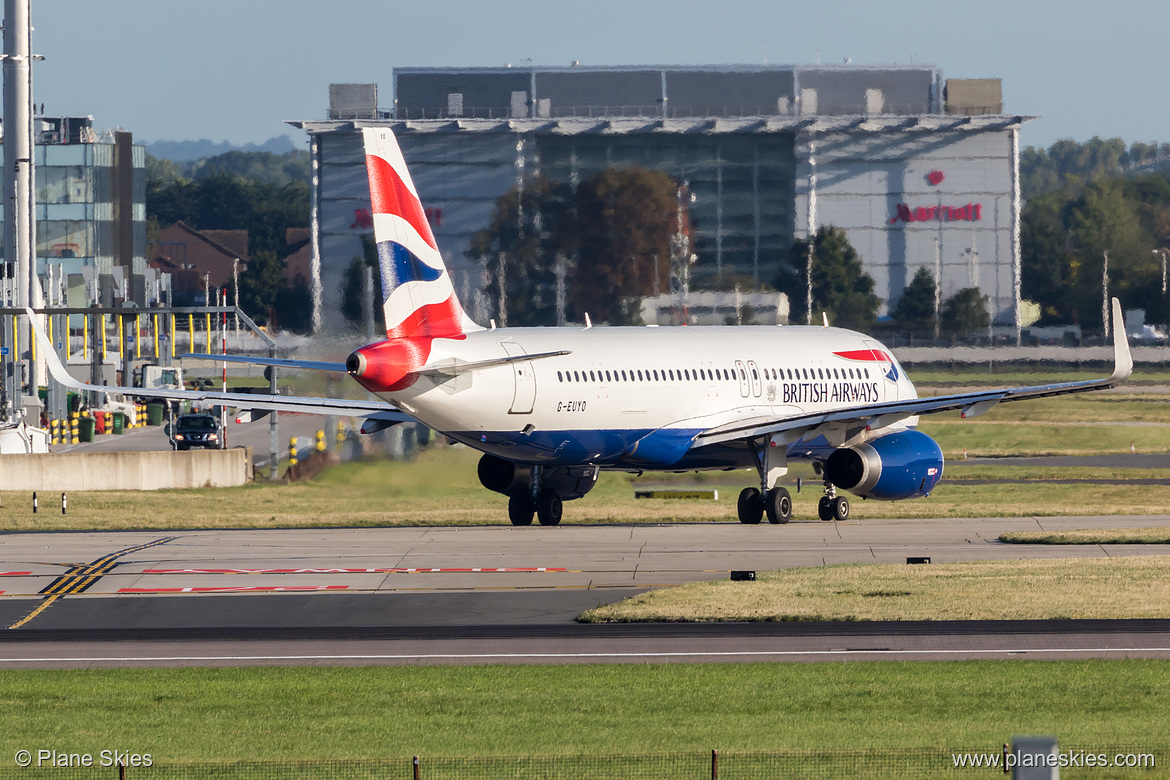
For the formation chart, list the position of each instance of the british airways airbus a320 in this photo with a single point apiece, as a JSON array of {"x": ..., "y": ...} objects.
[{"x": 550, "y": 408}]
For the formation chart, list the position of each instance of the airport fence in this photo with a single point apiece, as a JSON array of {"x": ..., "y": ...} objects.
[{"x": 713, "y": 765}]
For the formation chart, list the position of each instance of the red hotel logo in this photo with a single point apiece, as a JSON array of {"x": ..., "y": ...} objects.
[{"x": 972, "y": 212}]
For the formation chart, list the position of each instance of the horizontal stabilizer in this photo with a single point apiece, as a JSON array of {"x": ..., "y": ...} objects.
[
  {"x": 313, "y": 365},
  {"x": 340, "y": 407}
]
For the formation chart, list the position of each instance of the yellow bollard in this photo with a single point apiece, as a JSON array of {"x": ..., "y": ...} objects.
[
  {"x": 320, "y": 443},
  {"x": 73, "y": 433},
  {"x": 54, "y": 431},
  {"x": 340, "y": 431},
  {"x": 292, "y": 451}
]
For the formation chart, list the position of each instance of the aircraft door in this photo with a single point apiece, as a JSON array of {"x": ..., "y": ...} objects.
[
  {"x": 888, "y": 380},
  {"x": 742, "y": 376},
  {"x": 525, "y": 377},
  {"x": 754, "y": 376}
]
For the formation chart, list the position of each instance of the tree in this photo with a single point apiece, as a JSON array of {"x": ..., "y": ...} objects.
[
  {"x": 260, "y": 286},
  {"x": 529, "y": 227},
  {"x": 613, "y": 234},
  {"x": 625, "y": 219},
  {"x": 915, "y": 309},
  {"x": 353, "y": 285},
  {"x": 225, "y": 201},
  {"x": 964, "y": 314},
  {"x": 839, "y": 285}
]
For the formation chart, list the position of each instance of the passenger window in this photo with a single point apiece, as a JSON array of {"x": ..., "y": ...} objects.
[
  {"x": 755, "y": 374},
  {"x": 559, "y": 377},
  {"x": 639, "y": 376},
  {"x": 576, "y": 376},
  {"x": 607, "y": 379},
  {"x": 623, "y": 376}
]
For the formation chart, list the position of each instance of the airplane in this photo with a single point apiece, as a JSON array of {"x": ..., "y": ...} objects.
[{"x": 550, "y": 408}]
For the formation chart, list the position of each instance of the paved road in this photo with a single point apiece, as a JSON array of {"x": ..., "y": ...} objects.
[
  {"x": 490, "y": 595},
  {"x": 255, "y": 435}
]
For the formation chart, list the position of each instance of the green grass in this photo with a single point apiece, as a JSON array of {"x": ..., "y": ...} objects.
[
  {"x": 182, "y": 715},
  {"x": 1091, "y": 536},
  {"x": 440, "y": 487},
  {"x": 1082, "y": 588},
  {"x": 1007, "y": 374}
]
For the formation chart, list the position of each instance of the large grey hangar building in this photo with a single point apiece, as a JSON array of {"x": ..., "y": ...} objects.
[{"x": 919, "y": 170}]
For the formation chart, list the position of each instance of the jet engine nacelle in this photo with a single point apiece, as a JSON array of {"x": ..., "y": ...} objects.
[
  {"x": 509, "y": 478},
  {"x": 906, "y": 464}
]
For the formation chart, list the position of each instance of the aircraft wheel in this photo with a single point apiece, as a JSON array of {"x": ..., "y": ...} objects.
[
  {"x": 778, "y": 505},
  {"x": 825, "y": 508},
  {"x": 549, "y": 507},
  {"x": 750, "y": 506},
  {"x": 841, "y": 508},
  {"x": 520, "y": 509}
]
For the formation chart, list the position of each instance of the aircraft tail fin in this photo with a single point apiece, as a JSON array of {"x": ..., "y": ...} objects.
[{"x": 418, "y": 297}]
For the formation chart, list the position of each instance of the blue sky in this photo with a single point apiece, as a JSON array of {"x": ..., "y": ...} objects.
[{"x": 235, "y": 70}]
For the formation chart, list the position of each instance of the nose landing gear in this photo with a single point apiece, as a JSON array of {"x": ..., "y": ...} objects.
[{"x": 832, "y": 506}]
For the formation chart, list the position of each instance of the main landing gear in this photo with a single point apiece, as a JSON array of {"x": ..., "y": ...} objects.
[
  {"x": 773, "y": 501},
  {"x": 753, "y": 505},
  {"x": 769, "y": 499},
  {"x": 548, "y": 507}
]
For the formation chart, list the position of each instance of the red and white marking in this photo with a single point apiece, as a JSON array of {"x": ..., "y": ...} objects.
[
  {"x": 14, "y": 574},
  {"x": 509, "y": 570},
  {"x": 230, "y": 589}
]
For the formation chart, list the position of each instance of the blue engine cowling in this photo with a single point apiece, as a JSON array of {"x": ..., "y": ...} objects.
[{"x": 906, "y": 464}]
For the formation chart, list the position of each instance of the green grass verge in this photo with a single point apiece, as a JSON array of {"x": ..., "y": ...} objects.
[
  {"x": 1115, "y": 588},
  {"x": 331, "y": 713},
  {"x": 440, "y": 487},
  {"x": 1091, "y": 536},
  {"x": 1007, "y": 374}
]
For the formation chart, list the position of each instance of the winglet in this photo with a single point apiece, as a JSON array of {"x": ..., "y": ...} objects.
[
  {"x": 51, "y": 359},
  {"x": 1122, "y": 360}
]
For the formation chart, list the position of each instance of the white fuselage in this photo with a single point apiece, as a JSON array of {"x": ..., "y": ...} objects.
[{"x": 636, "y": 398}]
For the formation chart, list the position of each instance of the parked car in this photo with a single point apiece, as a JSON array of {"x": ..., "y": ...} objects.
[{"x": 198, "y": 430}]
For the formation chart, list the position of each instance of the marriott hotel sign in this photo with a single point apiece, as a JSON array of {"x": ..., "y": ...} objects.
[{"x": 972, "y": 212}]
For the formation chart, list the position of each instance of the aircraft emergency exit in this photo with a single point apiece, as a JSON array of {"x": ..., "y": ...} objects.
[{"x": 550, "y": 408}]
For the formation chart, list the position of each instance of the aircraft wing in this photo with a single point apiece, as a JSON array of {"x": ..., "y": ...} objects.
[
  {"x": 378, "y": 410},
  {"x": 877, "y": 416}
]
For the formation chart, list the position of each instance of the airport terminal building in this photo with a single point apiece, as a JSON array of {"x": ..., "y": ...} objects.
[{"x": 918, "y": 170}]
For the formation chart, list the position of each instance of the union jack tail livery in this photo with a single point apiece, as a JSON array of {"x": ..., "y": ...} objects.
[{"x": 418, "y": 298}]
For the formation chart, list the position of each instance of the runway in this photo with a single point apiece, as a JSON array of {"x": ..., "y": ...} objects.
[{"x": 495, "y": 595}]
